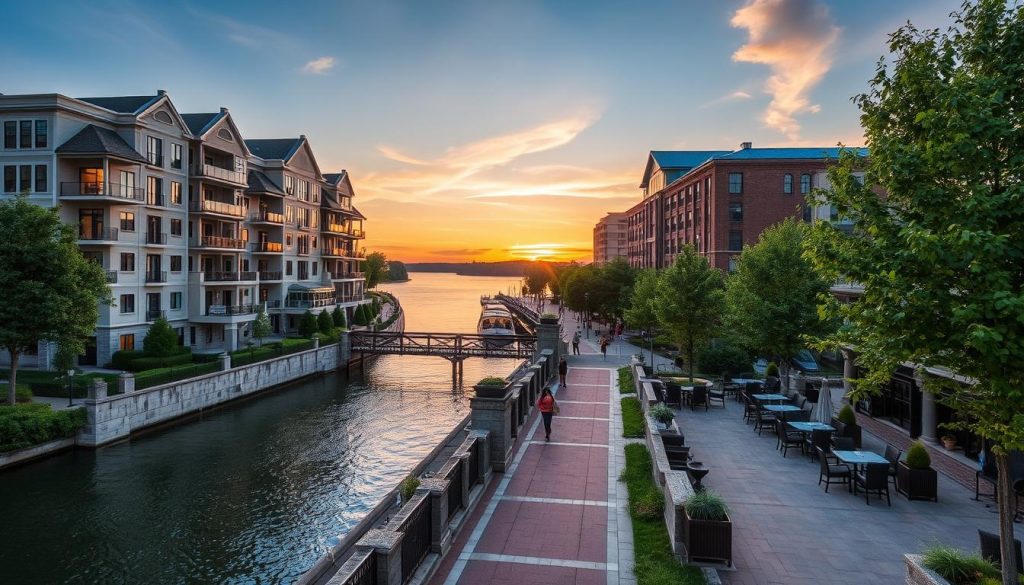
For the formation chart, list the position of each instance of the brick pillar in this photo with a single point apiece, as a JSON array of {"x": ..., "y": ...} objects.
[
  {"x": 126, "y": 383},
  {"x": 484, "y": 462},
  {"x": 344, "y": 349},
  {"x": 98, "y": 389},
  {"x": 436, "y": 489},
  {"x": 492, "y": 412},
  {"x": 225, "y": 361},
  {"x": 387, "y": 545},
  {"x": 548, "y": 337}
]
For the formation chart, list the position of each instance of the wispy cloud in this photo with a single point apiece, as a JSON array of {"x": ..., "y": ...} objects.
[
  {"x": 797, "y": 40},
  {"x": 244, "y": 33},
  {"x": 319, "y": 66},
  {"x": 733, "y": 96}
]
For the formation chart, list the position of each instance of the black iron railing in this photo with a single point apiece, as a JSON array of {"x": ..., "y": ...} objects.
[
  {"x": 455, "y": 488},
  {"x": 97, "y": 234},
  {"x": 447, "y": 345},
  {"x": 156, "y": 238},
  {"x": 416, "y": 541},
  {"x": 101, "y": 189},
  {"x": 474, "y": 463}
]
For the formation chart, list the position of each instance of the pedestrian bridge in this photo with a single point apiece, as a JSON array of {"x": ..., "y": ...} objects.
[{"x": 451, "y": 346}]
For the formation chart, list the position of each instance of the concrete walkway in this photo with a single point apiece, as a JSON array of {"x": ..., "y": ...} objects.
[{"x": 559, "y": 515}]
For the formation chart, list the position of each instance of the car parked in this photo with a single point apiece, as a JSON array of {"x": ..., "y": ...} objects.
[{"x": 803, "y": 361}]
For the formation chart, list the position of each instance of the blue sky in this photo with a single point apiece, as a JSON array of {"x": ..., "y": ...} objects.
[{"x": 452, "y": 116}]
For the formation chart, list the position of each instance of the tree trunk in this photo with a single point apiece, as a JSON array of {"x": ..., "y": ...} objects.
[
  {"x": 12, "y": 386},
  {"x": 1007, "y": 508},
  {"x": 784, "y": 370},
  {"x": 689, "y": 358}
]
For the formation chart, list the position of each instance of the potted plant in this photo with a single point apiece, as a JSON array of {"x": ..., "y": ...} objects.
[
  {"x": 663, "y": 415},
  {"x": 707, "y": 528},
  {"x": 915, "y": 477},
  {"x": 771, "y": 371},
  {"x": 949, "y": 442},
  {"x": 549, "y": 318},
  {"x": 944, "y": 565},
  {"x": 847, "y": 420},
  {"x": 490, "y": 387}
]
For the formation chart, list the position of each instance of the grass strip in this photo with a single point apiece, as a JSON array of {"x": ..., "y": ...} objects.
[
  {"x": 632, "y": 418},
  {"x": 653, "y": 563},
  {"x": 626, "y": 385}
]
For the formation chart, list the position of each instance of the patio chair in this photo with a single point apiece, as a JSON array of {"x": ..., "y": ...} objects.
[
  {"x": 772, "y": 385},
  {"x": 659, "y": 390},
  {"x": 831, "y": 471},
  {"x": 787, "y": 439},
  {"x": 798, "y": 416},
  {"x": 716, "y": 395},
  {"x": 673, "y": 395},
  {"x": 749, "y": 408},
  {"x": 699, "y": 397},
  {"x": 892, "y": 454},
  {"x": 817, "y": 441},
  {"x": 873, "y": 477},
  {"x": 843, "y": 444},
  {"x": 991, "y": 551},
  {"x": 763, "y": 419}
]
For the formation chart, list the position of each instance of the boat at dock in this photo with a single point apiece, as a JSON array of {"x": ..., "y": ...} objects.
[{"x": 496, "y": 324}]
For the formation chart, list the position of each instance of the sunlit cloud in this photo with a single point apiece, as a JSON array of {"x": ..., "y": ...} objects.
[
  {"x": 319, "y": 66},
  {"x": 733, "y": 96},
  {"x": 797, "y": 40}
]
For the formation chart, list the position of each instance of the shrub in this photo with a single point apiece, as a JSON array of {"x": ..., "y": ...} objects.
[
  {"x": 663, "y": 414},
  {"x": 25, "y": 425},
  {"x": 957, "y": 567},
  {"x": 723, "y": 358},
  {"x": 491, "y": 381},
  {"x": 706, "y": 505},
  {"x": 307, "y": 324},
  {"x": 918, "y": 456},
  {"x": 148, "y": 363},
  {"x": 122, "y": 360},
  {"x": 632, "y": 418},
  {"x": 549, "y": 316},
  {"x": 408, "y": 487},
  {"x": 626, "y": 383},
  {"x": 338, "y": 316},
  {"x": 772, "y": 371},
  {"x": 23, "y": 394},
  {"x": 161, "y": 340},
  {"x": 846, "y": 415},
  {"x": 359, "y": 318},
  {"x": 164, "y": 375},
  {"x": 325, "y": 323}
]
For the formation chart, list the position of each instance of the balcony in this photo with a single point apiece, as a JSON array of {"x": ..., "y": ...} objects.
[
  {"x": 221, "y": 242},
  {"x": 112, "y": 276},
  {"x": 155, "y": 158},
  {"x": 273, "y": 304},
  {"x": 337, "y": 252},
  {"x": 218, "y": 207},
  {"x": 268, "y": 275},
  {"x": 97, "y": 234},
  {"x": 213, "y": 276},
  {"x": 156, "y": 238},
  {"x": 267, "y": 217},
  {"x": 155, "y": 200},
  {"x": 228, "y": 310},
  {"x": 209, "y": 171},
  {"x": 102, "y": 191},
  {"x": 337, "y": 228},
  {"x": 156, "y": 276},
  {"x": 267, "y": 247},
  {"x": 154, "y": 314},
  {"x": 347, "y": 275},
  {"x": 350, "y": 298},
  {"x": 310, "y": 304}
]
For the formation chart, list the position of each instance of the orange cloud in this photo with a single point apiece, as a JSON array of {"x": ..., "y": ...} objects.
[{"x": 797, "y": 40}]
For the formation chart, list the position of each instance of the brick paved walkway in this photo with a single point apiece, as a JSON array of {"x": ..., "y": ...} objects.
[{"x": 559, "y": 515}]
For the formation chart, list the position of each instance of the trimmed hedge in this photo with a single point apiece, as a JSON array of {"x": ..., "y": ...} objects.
[
  {"x": 626, "y": 382},
  {"x": 25, "y": 425},
  {"x": 632, "y": 418},
  {"x": 244, "y": 357},
  {"x": 165, "y": 375},
  {"x": 151, "y": 363},
  {"x": 122, "y": 360}
]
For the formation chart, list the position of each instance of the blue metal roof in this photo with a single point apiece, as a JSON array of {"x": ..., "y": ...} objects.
[
  {"x": 679, "y": 159},
  {"x": 786, "y": 153}
]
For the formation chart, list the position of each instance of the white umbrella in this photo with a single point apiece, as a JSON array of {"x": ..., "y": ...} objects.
[{"x": 824, "y": 413}]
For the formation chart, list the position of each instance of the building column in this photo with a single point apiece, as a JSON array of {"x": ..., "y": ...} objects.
[
  {"x": 230, "y": 337},
  {"x": 929, "y": 426}
]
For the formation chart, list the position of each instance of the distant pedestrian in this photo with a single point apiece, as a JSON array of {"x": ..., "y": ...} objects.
[
  {"x": 576, "y": 342},
  {"x": 563, "y": 369},
  {"x": 548, "y": 408},
  {"x": 618, "y": 330},
  {"x": 604, "y": 347}
]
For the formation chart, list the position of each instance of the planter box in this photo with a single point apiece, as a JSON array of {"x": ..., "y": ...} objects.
[
  {"x": 707, "y": 540},
  {"x": 917, "y": 484},
  {"x": 918, "y": 575},
  {"x": 843, "y": 430}
]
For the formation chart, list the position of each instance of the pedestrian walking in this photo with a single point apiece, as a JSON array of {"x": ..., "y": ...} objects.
[
  {"x": 548, "y": 408},
  {"x": 604, "y": 347},
  {"x": 576, "y": 342},
  {"x": 563, "y": 369}
]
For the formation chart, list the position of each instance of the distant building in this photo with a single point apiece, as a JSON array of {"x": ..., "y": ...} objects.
[
  {"x": 610, "y": 237},
  {"x": 718, "y": 201}
]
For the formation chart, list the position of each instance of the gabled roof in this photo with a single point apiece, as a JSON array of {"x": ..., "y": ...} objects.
[
  {"x": 128, "y": 104},
  {"x": 274, "y": 148},
  {"x": 358, "y": 213},
  {"x": 334, "y": 178},
  {"x": 95, "y": 140},
  {"x": 198, "y": 124},
  {"x": 259, "y": 182},
  {"x": 676, "y": 160}
]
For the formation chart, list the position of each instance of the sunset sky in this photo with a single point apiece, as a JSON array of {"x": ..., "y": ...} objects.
[{"x": 479, "y": 130}]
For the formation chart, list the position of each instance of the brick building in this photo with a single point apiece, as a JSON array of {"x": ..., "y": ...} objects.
[
  {"x": 718, "y": 201},
  {"x": 610, "y": 237}
]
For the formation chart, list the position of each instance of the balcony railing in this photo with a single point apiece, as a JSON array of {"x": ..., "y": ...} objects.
[
  {"x": 239, "y": 177},
  {"x": 156, "y": 276},
  {"x": 267, "y": 217},
  {"x": 273, "y": 304},
  {"x": 215, "y": 310},
  {"x": 155, "y": 158},
  {"x": 156, "y": 199},
  {"x": 273, "y": 247},
  {"x": 102, "y": 189},
  {"x": 153, "y": 314},
  {"x": 215, "y": 276},
  {"x": 269, "y": 275},
  {"x": 156, "y": 238},
  {"x": 336, "y": 228},
  {"x": 221, "y": 242},
  {"x": 112, "y": 276},
  {"x": 350, "y": 298},
  {"x": 310, "y": 303},
  {"x": 95, "y": 235},
  {"x": 210, "y": 206},
  {"x": 344, "y": 275}
]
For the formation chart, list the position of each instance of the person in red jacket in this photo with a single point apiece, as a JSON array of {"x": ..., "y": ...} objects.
[{"x": 548, "y": 408}]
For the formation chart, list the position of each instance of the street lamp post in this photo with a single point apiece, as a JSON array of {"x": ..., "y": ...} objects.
[
  {"x": 71, "y": 387},
  {"x": 586, "y": 302}
]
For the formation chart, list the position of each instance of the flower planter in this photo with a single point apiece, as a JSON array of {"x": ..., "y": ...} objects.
[
  {"x": 917, "y": 574},
  {"x": 707, "y": 540},
  {"x": 949, "y": 443},
  {"x": 917, "y": 484},
  {"x": 843, "y": 430}
]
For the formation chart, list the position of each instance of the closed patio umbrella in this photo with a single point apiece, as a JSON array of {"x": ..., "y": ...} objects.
[{"x": 824, "y": 410}]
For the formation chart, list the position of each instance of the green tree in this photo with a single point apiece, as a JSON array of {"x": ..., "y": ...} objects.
[
  {"x": 338, "y": 316},
  {"x": 397, "y": 271},
  {"x": 536, "y": 277},
  {"x": 261, "y": 326},
  {"x": 308, "y": 324},
  {"x": 50, "y": 291},
  {"x": 375, "y": 267},
  {"x": 160, "y": 340},
  {"x": 940, "y": 255},
  {"x": 772, "y": 297},
  {"x": 640, "y": 314},
  {"x": 325, "y": 323},
  {"x": 359, "y": 318},
  {"x": 618, "y": 277},
  {"x": 689, "y": 302}
]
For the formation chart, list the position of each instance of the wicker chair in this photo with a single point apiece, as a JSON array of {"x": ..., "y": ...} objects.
[
  {"x": 830, "y": 471},
  {"x": 892, "y": 454},
  {"x": 817, "y": 441},
  {"x": 991, "y": 551},
  {"x": 699, "y": 397},
  {"x": 787, "y": 439},
  {"x": 716, "y": 395},
  {"x": 763, "y": 419},
  {"x": 873, "y": 477}
]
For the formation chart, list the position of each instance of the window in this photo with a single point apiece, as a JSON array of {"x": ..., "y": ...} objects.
[
  {"x": 128, "y": 184},
  {"x": 10, "y": 134},
  {"x": 735, "y": 241},
  {"x": 732, "y": 265},
  {"x": 155, "y": 151},
  {"x": 736, "y": 211},
  {"x": 175, "y": 300},
  {"x": 41, "y": 178},
  {"x": 127, "y": 262},
  {"x": 805, "y": 184},
  {"x": 314, "y": 265},
  {"x": 289, "y": 185},
  {"x": 127, "y": 221},
  {"x": 787, "y": 183},
  {"x": 154, "y": 191},
  {"x": 41, "y": 134},
  {"x": 10, "y": 179},
  {"x": 25, "y": 134},
  {"x": 25, "y": 178},
  {"x": 127, "y": 304},
  {"x": 288, "y": 240},
  {"x": 735, "y": 182},
  {"x": 288, "y": 268},
  {"x": 176, "y": 155},
  {"x": 176, "y": 227},
  {"x": 175, "y": 263},
  {"x": 128, "y": 342},
  {"x": 175, "y": 193}
]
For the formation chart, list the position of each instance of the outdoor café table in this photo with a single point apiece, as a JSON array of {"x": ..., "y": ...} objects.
[
  {"x": 781, "y": 409},
  {"x": 769, "y": 397},
  {"x": 857, "y": 458},
  {"x": 746, "y": 381},
  {"x": 806, "y": 427}
]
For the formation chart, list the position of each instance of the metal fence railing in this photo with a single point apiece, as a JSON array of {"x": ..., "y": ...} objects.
[
  {"x": 416, "y": 539},
  {"x": 455, "y": 488}
]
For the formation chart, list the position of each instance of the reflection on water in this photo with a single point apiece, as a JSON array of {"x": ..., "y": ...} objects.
[{"x": 252, "y": 493}]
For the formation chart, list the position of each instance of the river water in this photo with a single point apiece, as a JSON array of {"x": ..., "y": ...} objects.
[{"x": 253, "y": 492}]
